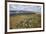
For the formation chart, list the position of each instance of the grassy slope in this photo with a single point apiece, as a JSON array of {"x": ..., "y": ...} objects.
[{"x": 25, "y": 21}]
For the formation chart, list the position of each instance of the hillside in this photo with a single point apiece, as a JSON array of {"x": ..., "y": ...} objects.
[{"x": 25, "y": 21}]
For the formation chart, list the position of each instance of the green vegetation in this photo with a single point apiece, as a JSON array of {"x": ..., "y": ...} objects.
[{"x": 25, "y": 21}]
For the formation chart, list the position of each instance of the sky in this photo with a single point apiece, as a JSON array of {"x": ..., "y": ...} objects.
[{"x": 15, "y": 7}]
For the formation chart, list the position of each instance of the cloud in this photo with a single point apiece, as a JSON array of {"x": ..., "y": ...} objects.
[{"x": 15, "y": 7}]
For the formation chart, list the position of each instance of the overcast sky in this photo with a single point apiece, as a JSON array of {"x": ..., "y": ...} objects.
[{"x": 14, "y": 7}]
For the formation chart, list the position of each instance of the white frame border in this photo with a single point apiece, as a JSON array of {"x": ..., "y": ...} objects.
[{"x": 29, "y": 29}]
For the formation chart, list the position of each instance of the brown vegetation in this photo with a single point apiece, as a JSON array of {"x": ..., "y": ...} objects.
[{"x": 25, "y": 21}]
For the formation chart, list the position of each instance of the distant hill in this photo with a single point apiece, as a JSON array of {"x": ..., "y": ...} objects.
[{"x": 23, "y": 12}]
